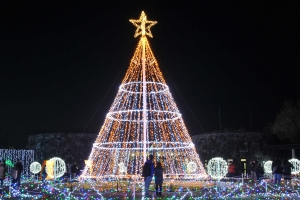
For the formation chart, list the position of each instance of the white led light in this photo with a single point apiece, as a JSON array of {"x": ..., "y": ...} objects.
[
  {"x": 268, "y": 167},
  {"x": 191, "y": 166},
  {"x": 55, "y": 167},
  {"x": 122, "y": 167},
  {"x": 217, "y": 167},
  {"x": 296, "y": 165},
  {"x": 35, "y": 167},
  {"x": 12, "y": 155}
]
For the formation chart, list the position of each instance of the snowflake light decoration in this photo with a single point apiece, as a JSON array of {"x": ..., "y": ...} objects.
[
  {"x": 217, "y": 167},
  {"x": 35, "y": 167},
  {"x": 296, "y": 164},
  {"x": 55, "y": 167},
  {"x": 268, "y": 167}
]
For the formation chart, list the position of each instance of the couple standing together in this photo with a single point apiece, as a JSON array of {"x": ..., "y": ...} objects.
[{"x": 148, "y": 171}]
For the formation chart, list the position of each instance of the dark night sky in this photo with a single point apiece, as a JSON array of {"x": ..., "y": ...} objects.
[{"x": 59, "y": 60}]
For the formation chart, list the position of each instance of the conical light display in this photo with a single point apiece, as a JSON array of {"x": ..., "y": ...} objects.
[{"x": 143, "y": 120}]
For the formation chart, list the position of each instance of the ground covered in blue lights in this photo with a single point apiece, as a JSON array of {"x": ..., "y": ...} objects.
[{"x": 129, "y": 189}]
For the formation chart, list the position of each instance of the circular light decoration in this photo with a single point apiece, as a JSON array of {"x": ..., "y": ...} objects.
[
  {"x": 35, "y": 167},
  {"x": 55, "y": 167},
  {"x": 268, "y": 167},
  {"x": 296, "y": 164},
  {"x": 122, "y": 167},
  {"x": 191, "y": 166},
  {"x": 217, "y": 167}
]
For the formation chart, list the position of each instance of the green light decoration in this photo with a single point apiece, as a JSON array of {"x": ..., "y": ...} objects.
[{"x": 9, "y": 163}]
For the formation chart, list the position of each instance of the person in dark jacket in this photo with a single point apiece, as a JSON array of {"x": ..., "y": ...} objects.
[
  {"x": 19, "y": 167},
  {"x": 231, "y": 169},
  {"x": 277, "y": 171},
  {"x": 14, "y": 175},
  {"x": 253, "y": 167},
  {"x": 148, "y": 178},
  {"x": 44, "y": 173},
  {"x": 74, "y": 170},
  {"x": 3, "y": 169},
  {"x": 259, "y": 171},
  {"x": 287, "y": 170},
  {"x": 158, "y": 171}
]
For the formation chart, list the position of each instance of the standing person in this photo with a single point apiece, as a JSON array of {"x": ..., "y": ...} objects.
[
  {"x": 19, "y": 167},
  {"x": 275, "y": 162},
  {"x": 14, "y": 175},
  {"x": 74, "y": 170},
  {"x": 277, "y": 171},
  {"x": 159, "y": 172},
  {"x": 259, "y": 171},
  {"x": 81, "y": 166},
  {"x": 231, "y": 169},
  {"x": 44, "y": 173},
  {"x": 2, "y": 172},
  {"x": 287, "y": 170},
  {"x": 148, "y": 171},
  {"x": 253, "y": 167}
]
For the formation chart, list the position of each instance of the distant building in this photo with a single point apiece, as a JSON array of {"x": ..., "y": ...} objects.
[
  {"x": 239, "y": 147},
  {"x": 71, "y": 147}
]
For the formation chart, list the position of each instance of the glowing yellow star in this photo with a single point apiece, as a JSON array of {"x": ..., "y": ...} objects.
[{"x": 142, "y": 27}]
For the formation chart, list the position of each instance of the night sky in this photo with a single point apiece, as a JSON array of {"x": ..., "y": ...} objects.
[{"x": 62, "y": 63}]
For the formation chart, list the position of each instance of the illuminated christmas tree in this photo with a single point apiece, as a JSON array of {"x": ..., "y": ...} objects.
[{"x": 143, "y": 120}]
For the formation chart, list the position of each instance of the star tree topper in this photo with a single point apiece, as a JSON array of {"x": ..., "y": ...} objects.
[{"x": 143, "y": 25}]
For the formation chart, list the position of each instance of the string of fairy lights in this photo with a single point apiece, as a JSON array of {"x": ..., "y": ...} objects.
[
  {"x": 11, "y": 156},
  {"x": 121, "y": 139}
]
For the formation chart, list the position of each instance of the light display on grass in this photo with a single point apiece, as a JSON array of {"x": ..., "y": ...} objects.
[
  {"x": 296, "y": 165},
  {"x": 143, "y": 119},
  {"x": 35, "y": 167},
  {"x": 55, "y": 167},
  {"x": 180, "y": 189},
  {"x": 217, "y": 167}
]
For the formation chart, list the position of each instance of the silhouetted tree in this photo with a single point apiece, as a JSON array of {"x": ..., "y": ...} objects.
[{"x": 287, "y": 123}]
